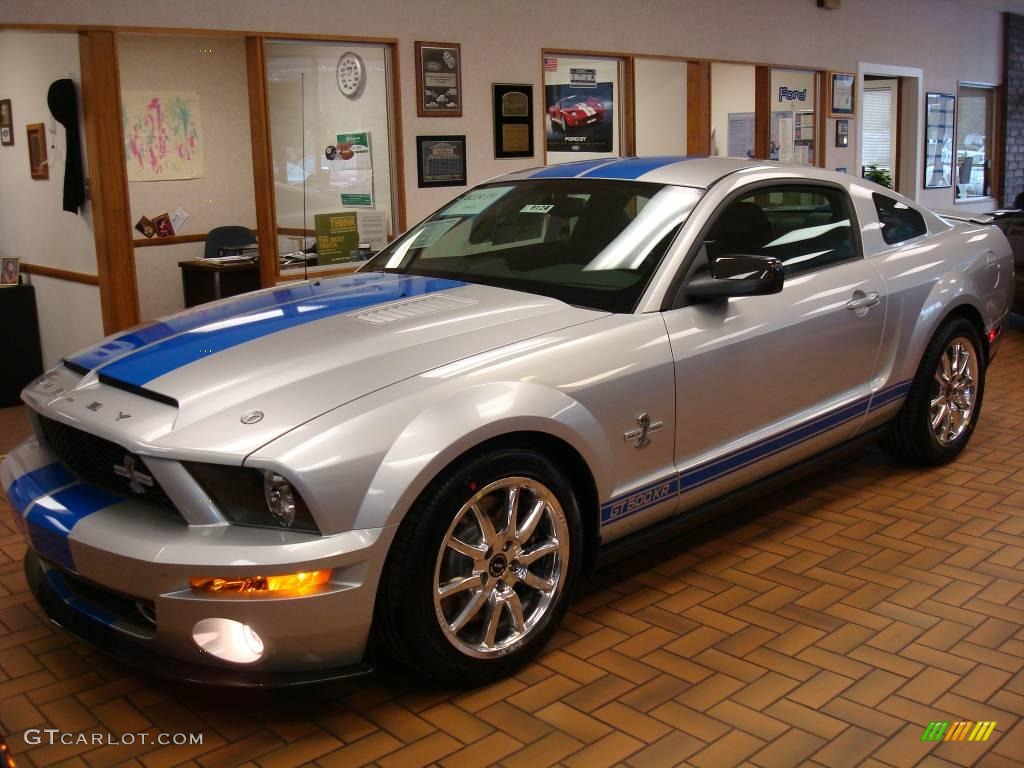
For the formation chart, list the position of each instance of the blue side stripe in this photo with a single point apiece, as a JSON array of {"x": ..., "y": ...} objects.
[
  {"x": 632, "y": 167},
  {"x": 143, "y": 366},
  {"x": 39, "y": 482},
  {"x": 744, "y": 457},
  {"x": 570, "y": 170},
  {"x": 642, "y": 498},
  {"x": 51, "y": 519}
]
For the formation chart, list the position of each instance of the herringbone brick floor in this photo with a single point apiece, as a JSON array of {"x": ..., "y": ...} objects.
[{"x": 827, "y": 625}]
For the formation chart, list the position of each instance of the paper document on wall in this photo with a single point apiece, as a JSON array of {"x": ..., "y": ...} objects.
[
  {"x": 741, "y": 134},
  {"x": 786, "y": 154},
  {"x": 352, "y": 169},
  {"x": 163, "y": 137},
  {"x": 373, "y": 229}
]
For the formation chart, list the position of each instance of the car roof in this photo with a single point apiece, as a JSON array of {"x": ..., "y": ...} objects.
[{"x": 689, "y": 171}]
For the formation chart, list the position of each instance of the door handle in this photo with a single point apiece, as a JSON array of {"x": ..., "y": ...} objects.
[{"x": 864, "y": 301}]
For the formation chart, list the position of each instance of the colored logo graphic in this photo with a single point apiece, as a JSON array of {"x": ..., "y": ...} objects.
[
  {"x": 6, "y": 761},
  {"x": 960, "y": 731}
]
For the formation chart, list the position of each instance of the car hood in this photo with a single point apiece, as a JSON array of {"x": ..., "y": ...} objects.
[{"x": 293, "y": 353}]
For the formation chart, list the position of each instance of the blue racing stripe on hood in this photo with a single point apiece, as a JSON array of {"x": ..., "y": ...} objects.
[
  {"x": 632, "y": 168},
  {"x": 211, "y": 337},
  {"x": 121, "y": 345}
]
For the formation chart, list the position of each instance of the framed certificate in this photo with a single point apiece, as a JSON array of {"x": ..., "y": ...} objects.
[
  {"x": 842, "y": 94},
  {"x": 441, "y": 161},
  {"x": 513, "y": 120},
  {"x": 438, "y": 79}
]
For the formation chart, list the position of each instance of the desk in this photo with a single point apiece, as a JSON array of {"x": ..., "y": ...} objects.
[
  {"x": 23, "y": 360},
  {"x": 204, "y": 281}
]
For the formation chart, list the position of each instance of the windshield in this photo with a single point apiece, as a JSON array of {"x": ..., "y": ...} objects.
[{"x": 588, "y": 242}]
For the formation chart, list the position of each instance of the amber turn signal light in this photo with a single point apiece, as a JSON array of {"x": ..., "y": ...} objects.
[{"x": 300, "y": 583}]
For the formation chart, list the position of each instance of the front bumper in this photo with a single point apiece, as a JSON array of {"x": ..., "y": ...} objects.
[{"x": 116, "y": 572}]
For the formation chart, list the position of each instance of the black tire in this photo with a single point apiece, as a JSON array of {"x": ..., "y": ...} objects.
[
  {"x": 408, "y": 628},
  {"x": 910, "y": 437}
]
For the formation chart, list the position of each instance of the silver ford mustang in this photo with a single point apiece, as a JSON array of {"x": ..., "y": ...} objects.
[{"x": 418, "y": 462}]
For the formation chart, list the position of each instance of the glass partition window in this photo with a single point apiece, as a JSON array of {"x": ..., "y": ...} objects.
[
  {"x": 732, "y": 110},
  {"x": 974, "y": 120},
  {"x": 793, "y": 103},
  {"x": 333, "y": 152}
]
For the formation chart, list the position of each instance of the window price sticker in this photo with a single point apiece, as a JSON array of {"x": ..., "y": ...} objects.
[{"x": 536, "y": 208}]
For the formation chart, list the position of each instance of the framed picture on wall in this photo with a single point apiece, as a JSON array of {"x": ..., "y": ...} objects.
[
  {"x": 438, "y": 79},
  {"x": 6, "y": 123},
  {"x": 9, "y": 271},
  {"x": 940, "y": 112},
  {"x": 38, "y": 164},
  {"x": 842, "y": 94},
  {"x": 513, "y": 120},
  {"x": 441, "y": 161}
]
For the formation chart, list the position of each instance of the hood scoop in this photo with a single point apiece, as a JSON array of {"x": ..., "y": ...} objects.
[{"x": 414, "y": 307}]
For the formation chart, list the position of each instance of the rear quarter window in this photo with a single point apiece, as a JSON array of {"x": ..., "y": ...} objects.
[{"x": 899, "y": 221}]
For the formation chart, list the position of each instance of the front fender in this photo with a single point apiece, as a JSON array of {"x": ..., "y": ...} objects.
[{"x": 461, "y": 421}]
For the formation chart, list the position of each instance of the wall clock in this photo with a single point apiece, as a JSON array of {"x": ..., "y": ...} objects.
[{"x": 351, "y": 74}]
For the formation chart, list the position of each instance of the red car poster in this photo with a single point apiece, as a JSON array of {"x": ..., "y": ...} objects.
[{"x": 580, "y": 115}]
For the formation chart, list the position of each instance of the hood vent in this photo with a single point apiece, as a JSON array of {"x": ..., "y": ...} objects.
[{"x": 415, "y": 307}]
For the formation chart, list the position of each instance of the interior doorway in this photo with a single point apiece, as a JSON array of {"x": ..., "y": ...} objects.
[{"x": 888, "y": 121}]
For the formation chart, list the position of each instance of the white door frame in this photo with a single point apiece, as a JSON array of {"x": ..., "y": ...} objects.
[{"x": 890, "y": 70}]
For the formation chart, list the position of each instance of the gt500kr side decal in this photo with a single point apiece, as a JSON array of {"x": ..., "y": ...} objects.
[{"x": 651, "y": 494}]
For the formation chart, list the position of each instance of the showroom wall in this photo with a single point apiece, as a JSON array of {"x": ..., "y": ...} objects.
[
  {"x": 502, "y": 42},
  {"x": 33, "y": 225},
  {"x": 215, "y": 69}
]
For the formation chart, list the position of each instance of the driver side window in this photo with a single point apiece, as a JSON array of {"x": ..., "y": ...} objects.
[{"x": 804, "y": 227}]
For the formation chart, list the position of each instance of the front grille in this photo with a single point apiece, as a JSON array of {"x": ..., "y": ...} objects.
[
  {"x": 94, "y": 460},
  {"x": 128, "y": 614}
]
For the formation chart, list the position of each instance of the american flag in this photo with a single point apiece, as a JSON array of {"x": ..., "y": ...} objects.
[{"x": 550, "y": 64}]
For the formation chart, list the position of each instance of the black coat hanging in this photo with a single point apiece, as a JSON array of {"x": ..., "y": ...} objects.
[{"x": 64, "y": 107}]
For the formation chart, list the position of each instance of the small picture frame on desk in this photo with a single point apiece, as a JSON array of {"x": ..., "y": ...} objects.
[{"x": 9, "y": 271}]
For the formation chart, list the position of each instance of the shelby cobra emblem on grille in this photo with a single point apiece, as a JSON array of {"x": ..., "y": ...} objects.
[
  {"x": 639, "y": 436},
  {"x": 137, "y": 481}
]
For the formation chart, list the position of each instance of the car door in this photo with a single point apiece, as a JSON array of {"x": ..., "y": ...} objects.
[{"x": 765, "y": 381}]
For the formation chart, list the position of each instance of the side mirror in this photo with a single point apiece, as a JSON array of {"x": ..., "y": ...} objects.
[{"x": 738, "y": 276}]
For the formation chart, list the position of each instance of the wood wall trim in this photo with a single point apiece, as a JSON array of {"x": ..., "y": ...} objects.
[
  {"x": 197, "y": 32},
  {"x": 396, "y": 114},
  {"x": 285, "y": 277},
  {"x": 262, "y": 159},
  {"x": 60, "y": 274},
  {"x": 762, "y": 111},
  {"x": 821, "y": 133},
  {"x": 108, "y": 183},
  {"x": 698, "y": 108},
  {"x": 627, "y": 144}
]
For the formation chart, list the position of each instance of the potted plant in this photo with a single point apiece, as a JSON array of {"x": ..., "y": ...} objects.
[{"x": 878, "y": 175}]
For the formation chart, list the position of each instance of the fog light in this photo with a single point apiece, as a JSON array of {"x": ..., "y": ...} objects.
[
  {"x": 294, "y": 583},
  {"x": 229, "y": 640}
]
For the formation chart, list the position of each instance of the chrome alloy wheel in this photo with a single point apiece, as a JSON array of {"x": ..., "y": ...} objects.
[
  {"x": 953, "y": 396},
  {"x": 501, "y": 566}
]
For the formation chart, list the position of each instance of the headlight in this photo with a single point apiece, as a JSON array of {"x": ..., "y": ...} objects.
[{"x": 256, "y": 497}]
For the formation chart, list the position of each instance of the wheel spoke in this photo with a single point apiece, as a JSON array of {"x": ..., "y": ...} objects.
[
  {"x": 471, "y": 609},
  {"x": 964, "y": 358},
  {"x": 494, "y": 608},
  {"x": 534, "y": 554},
  {"x": 947, "y": 424},
  {"x": 530, "y": 523},
  {"x": 486, "y": 527},
  {"x": 947, "y": 373},
  {"x": 511, "y": 511},
  {"x": 515, "y": 608},
  {"x": 455, "y": 586},
  {"x": 473, "y": 553},
  {"x": 534, "y": 581},
  {"x": 940, "y": 416},
  {"x": 937, "y": 402}
]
